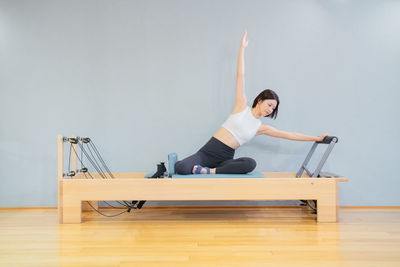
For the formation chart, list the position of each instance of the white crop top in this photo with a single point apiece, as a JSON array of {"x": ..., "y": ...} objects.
[{"x": 243, "y": 125}]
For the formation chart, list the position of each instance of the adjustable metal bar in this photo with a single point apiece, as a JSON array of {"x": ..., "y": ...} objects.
[
  {"x": 331, "y": 141},
  {"x": 323, "y": 160},
  {"x": 303, "y": 166},
  {"x": 307, "y": 171}
]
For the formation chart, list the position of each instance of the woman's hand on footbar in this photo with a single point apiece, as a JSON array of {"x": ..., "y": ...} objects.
[{"x": 321, "y": 137}]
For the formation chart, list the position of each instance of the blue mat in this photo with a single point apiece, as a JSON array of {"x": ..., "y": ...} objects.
[{"x": 248, "y": 175}]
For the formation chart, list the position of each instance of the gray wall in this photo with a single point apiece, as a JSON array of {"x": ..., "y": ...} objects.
[{"x": 145, "y": 78}]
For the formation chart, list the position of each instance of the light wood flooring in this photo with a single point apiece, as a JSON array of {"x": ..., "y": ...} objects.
[{"x": 201, "y": 237}]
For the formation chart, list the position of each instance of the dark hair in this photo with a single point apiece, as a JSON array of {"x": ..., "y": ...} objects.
[{"x": 268, "y": 94}]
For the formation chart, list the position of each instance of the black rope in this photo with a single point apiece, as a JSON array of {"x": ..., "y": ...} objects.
[
  {"x": 94, "y": 159},
  {"x": 91, "y": 161},
  {"x": 82, "y": 160},
  {"x": 102, "y": 162},
  {"x": 104, "y": 165},
  {"x": 105, "y": 202},
  {"x": 100, "y": 157},
  {"x": 106, "y": 214},
  {"x": 94, "y": 165},
  {"x": 127, "y": 205},
  {"x": 82, "y": 163},
  {"x": 100, "y": 171}
]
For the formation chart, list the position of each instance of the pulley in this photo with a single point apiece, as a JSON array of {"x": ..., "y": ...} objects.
[
  {"x": 85, "y": 140},
  {"x": 72, "y": 140},
  {"x": 71, "y": 173}
]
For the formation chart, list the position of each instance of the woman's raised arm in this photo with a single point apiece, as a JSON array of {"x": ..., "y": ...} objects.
[{"x": 241, "y": 100}]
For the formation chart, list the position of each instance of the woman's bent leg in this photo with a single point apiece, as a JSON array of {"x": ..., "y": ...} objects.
[
  {"x": 237, "y": 166},
  {"x": 185, "y": 166}
]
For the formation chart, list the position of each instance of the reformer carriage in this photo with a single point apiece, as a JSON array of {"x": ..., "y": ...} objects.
[{"x": 81, "y": 190}]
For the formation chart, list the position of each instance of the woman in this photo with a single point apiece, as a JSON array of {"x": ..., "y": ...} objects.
[{"x": 243, "y": 124}]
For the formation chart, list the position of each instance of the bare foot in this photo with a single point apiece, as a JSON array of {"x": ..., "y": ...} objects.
[{"x": 203, "y": 171}]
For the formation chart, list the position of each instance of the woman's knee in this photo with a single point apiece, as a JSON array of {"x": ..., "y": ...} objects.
[
  {"x": 178, "y": 167},
  {"x": 250, "y": 164},
  {"x": 181, "y": 168}
]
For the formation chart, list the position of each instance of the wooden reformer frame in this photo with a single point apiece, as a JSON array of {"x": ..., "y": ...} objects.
[{"x": 74, "y": 192}]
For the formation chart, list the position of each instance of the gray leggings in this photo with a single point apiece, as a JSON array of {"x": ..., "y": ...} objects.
[{"x": 216, "y": 154}]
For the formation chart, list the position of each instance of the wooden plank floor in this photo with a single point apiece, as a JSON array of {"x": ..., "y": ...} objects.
[{"x": 201, "y": 237}]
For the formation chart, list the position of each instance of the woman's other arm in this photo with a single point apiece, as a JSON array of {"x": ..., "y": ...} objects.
[{"x": 271, "y": 131}]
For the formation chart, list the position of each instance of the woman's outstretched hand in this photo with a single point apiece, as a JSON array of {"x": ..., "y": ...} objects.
[{"x": 244, "y": 42}]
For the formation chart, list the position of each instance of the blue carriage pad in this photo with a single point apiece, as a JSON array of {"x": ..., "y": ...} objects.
[{"x": 248, "y": 175}]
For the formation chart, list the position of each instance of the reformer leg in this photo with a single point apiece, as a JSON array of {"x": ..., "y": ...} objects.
[
  {"x": 72, "y": 210},
  {"x": 327, "y": 205}
]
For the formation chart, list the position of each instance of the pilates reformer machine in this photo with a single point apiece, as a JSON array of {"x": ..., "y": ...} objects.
[{"x": 80, "y": 189}]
